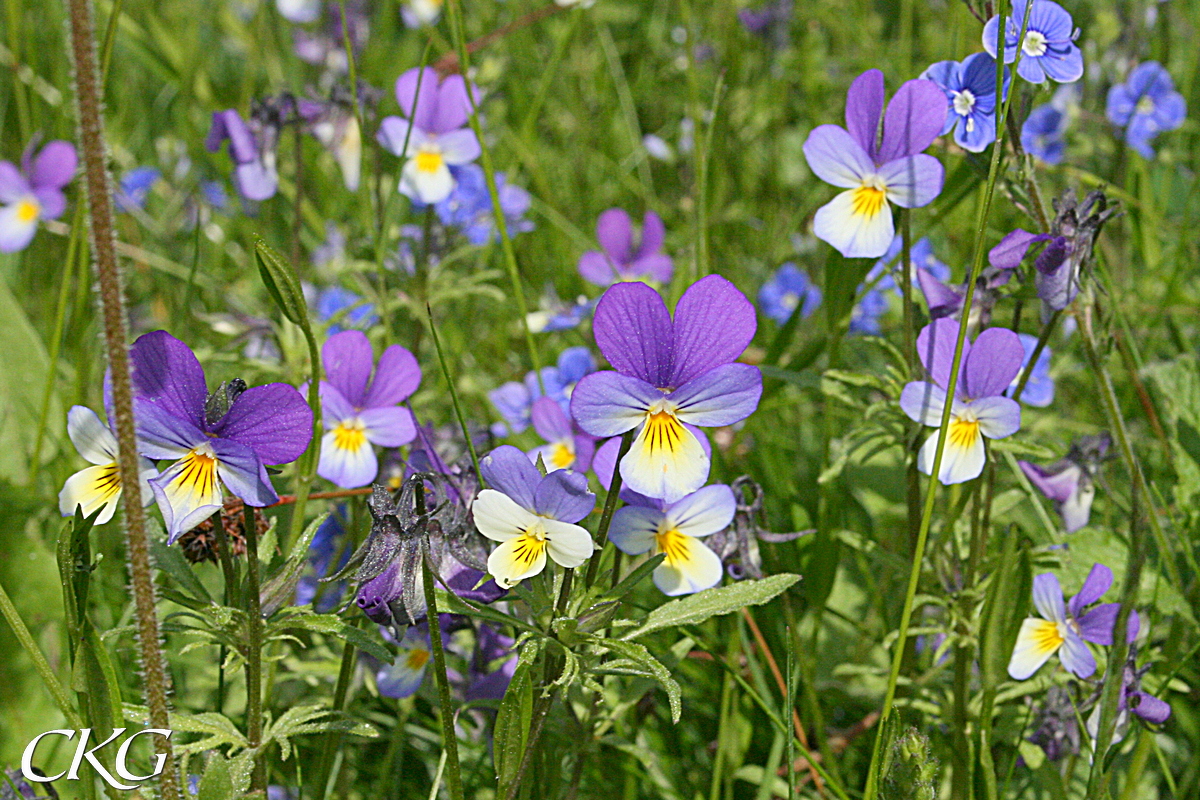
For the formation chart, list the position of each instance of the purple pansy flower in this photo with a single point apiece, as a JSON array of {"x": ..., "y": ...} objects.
[
  {"x": 359, "y": 410},
  {"x": 970, "y": 89},
  {"x": 618, "y": 260},
  {"x": 228, "y": 437},
  {"x": 978, "y": 407},
  {"x": 1145, "y": 105},
  {"x": 1039, "y": 389},
  {"x": 98, "y": 486},
  {"x": 788, "y": 289},
  {"x": 439, "y": 137},
  {"x": 1048, "y": 49},
  {"x": 254, "y": 172},
  {"x": 1142, "y": 703},
  {"x": 1070, "y": 481},
  {"x": 531, "y": 515},
  {"x": 651, "y": 526},
  {"x": 669, "y": 373},
  {"x": 33, "y": 192},
  {"x": 566, "y": 446},
  {"x": 875, "y": 172},
  {"x": 1066, "y": 629}
]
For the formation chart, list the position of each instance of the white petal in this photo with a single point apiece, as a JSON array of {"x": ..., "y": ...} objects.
[
  {"x": 569, "y": 545},
  {"x": 188, "y": 491},
  {"x": 92, "y": 488},
  {"x": 498, "y": 517},
  {"x": 519, "y": 558},
  {"x": 854, "y": 235},
  {"x": 704, "y": 512},
  {"x": 91, "y": 438},
  {"x": 1038, "y": 640},
  {"x": 348, "y": 461},
  {"x": 17, "y": 225},
  {"x": 690, "y": 567},
  {"x": 665, "y": 461},
  {"x": 962, "y": 460},
  {"x": 348, "y": 155},
  {"x": 426, "y": 186}
]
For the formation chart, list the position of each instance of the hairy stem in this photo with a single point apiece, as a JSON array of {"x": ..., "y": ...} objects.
[
  {"x": 156, "y": 683},
  {"x": 254, "y": 698}
]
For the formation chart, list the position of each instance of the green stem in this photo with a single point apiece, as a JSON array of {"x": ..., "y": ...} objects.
[
  {"x": 306, "y": 468},
  {"x": 610, "y": 508},
  {"x": 485, "y": 160},
  {"x": 333, "y": 739},
  {"x": 254, "y": 645},
  {"x": 39, "y": 660},
  {"x": 449, "y": 737}
]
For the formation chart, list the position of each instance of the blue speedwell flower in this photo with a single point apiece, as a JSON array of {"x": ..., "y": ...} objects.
[
  {"x": 788, "y": 289},
  {"x": 1043, "y": 133},
  {"x": 970, "y": 89},
  {"x": 1145, "y": 105},
  {"x": 1048, "y": 49}
]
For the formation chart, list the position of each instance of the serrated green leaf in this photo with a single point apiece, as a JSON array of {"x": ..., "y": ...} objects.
[
  {"x": 637, "y": 653},
  {"x": 332, "y": 625},
  {"x": 216, "y": 783},
  {"x": 713, "y": 602}
]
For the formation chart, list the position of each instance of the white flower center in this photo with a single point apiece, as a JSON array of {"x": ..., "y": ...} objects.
[
  {"x": 964, "y": 101},
  {"x": 1145, "y": 105},
  {"x": 1034, "y": 44},
  {"x": 790, "y": 300}
]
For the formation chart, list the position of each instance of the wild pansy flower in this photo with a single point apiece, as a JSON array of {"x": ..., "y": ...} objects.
[
  {"x": 1070, "y": 481},
  {"x": 1135, "y": 699},
  {"x": 135, "y": 187},
  {"x": 416, "y": 13},
  {"x": 978, "y": 407},
  {"x": 334, "y": 124},
  {"x": 405, "y": 675},
  {"x": 531, "y": 515},
  {"x": 1145, "y": 105},
  {"x": 227, "y": 437},
  {"x": 858, "y": 222},
  {"x": 618, "y": 259},
  {"x": 970, "y": 89},
  {"x": 669, "y": 373},
  {"x": 737, "y": 544},
  {"x": 1048, "y": 49},
  {"x": 675, "y": 529},
  {"x": 566, "y": 446},
  {"x": 1039, "y": 389},
  {"x": 439, "y": 137},
  {"x": 469, "y": 206},
  {"x": 253, "y": 154},
  {"x": 514, "y": 400},
  {"x": 33, "y": 192},
  {"x": 97, "y": 486},
  {"x": 785, "y": 291},
  {"x": 360, "y": 410},
  {"x": 1066, "y": 630}
]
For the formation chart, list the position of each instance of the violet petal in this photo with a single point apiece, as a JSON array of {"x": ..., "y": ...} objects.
[
  {"x": 633, "y": 330},
  {"x": 714, "y": 322}
]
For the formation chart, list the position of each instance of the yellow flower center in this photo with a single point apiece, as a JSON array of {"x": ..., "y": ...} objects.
[
  {"x": 563, "y": 455},
  {"x": 199, "y": 473},
  {"x": 673, "y": 543},
  {"x": 349, "y": 435},
  {"x": 868, "y": 200},
  {"x": 1048, "y": 636},
  {"x": 663, "y": 431},
  {"x": 963, "y": 432},
  {"x": 429, "y": 160},
  {"x": 529, "y": 547},
  {"x": 107, "y": 484},
  {"x": 416, "y": 659},
  {"x": 28, "y": 210}
]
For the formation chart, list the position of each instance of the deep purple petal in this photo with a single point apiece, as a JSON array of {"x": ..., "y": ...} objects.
[
  {"x": 243, "y": 473},
  {"x": 1048, "y": 598},
  {"x": 721, "y": 396},
  {"x": 995, "y": 359},
  {"x": 348, "y": 358},
  {"x": 1096, "y": 626},
  {"x": 935, "y": 346},
  {"x": 836, "y": 157},
  {"x": 714, "y": 322},
  {"x": 166, "y": 372},
  {"x": 273, "y": 420},
  {"x": 229, "y": 123},
  {"x": 549, "y": 420},
  {"x": 864, "y": 106},
  {"x": 941, "y": 299},
  {"x": 564, "y": 495},
  {"x": 1076, "y": 656},
  {"x": 1098, "y": 581},
  {"x": 54, "y": 166},
  {"x": 397, "y": 376},
  {"x": 510, "y": 471},
  {"x": 609, "y": 403},
  {"x": 614, "y": 230},
  {"x": 1009, "y": 253},
  {"x": 633, "y": 331},
  {"x": 162, "y": 434},
  {"x": 426, "y": 103},
  {"x": 1057, "y": 486},
  {"x": 1149, "y": 707},
  {"x": 914, "y": 118}
]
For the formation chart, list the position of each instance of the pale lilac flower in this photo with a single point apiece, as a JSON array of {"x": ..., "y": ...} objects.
[
  {"x": 875, "y": 172},
  {"x": 437, "y": 136},
  {"x": 669, "y": 373},
  {"x": 1066, "y": 629},
  {"x": 978, "y": 407},
  {"x": 566, "y": 446},
  {"x": 252, "y": 152},
  {"x": 1070, "y": 482},
  {"x": 359, "y": 410},
  {"x": 1146, "y": 105},
  {"x": 618, "y": 259},
  {"x": 299, "y": 11},
  {"x": 33, "y": 192},
  {"x": 1048, "y": 49},
  {"x": 416, "y": 13}
]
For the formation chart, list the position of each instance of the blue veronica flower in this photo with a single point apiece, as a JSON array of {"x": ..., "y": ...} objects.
[
  {"x": 214, "y": 194},
  {"x": 1145, "y": 105},
  {"x": 135, "y": 186},
  {"x": 1043, "y": 133},
  {"x": 1048, "y": 49},
  {"x": 1039, "y": 389},
  {"x": 514, "y": 400},
  {"x": 469, "y": 206},
  {"x": 350, "y": 310},
  {"x": 786, "y": 290},
  {"x": 865, "y": 317},
  {"x": 970, "y": 89}
]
